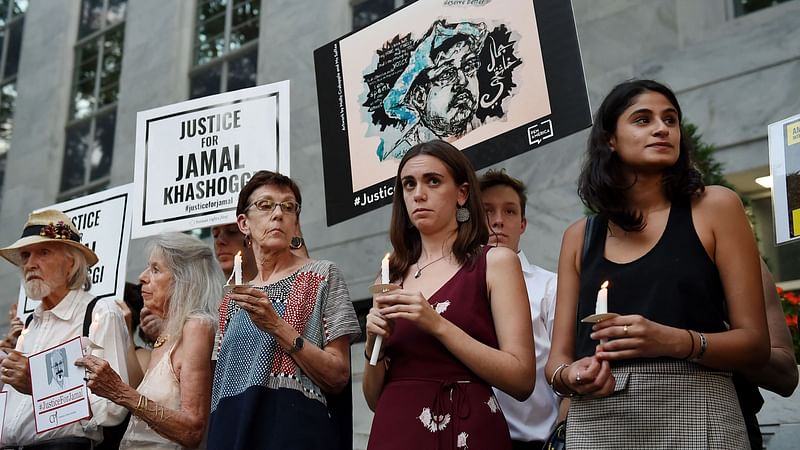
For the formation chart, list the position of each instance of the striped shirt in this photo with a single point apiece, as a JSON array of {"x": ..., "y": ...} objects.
[{"x": 315, "y": 301}]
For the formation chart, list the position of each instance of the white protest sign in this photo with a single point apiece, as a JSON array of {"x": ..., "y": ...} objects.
[
  {"x": 784, "y": 162},
  {"x": 59, "y": 392},
  {"x": 104, "y": 221},
  {"x": 193, "y": 157}
]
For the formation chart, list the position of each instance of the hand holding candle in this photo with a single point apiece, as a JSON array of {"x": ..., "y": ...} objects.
[{"x": 376, "y": 348}]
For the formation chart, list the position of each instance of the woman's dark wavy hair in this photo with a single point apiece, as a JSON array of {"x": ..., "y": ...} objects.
[
  {"x": 405, "y": 237},
  {"x": 602, "y": 184}
]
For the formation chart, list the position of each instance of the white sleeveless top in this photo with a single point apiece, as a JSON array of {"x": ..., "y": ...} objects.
[{"x": 160, "y": 385}]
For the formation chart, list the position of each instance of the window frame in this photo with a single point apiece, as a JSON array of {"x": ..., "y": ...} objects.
[
  {"x": 223, "y": 61},
  {"x": 96, "y": 38}
]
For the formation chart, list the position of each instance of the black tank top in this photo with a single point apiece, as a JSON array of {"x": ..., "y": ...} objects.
[{"x": 675, "y": 283}]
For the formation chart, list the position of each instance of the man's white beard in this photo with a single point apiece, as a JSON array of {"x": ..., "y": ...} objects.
[{"x": 37, "y": 289}]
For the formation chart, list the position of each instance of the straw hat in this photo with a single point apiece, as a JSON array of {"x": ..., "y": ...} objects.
[{"x": 47, "y": 226}]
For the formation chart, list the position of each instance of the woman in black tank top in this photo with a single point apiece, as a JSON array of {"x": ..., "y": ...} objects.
[{"x": 684, "y": 278}]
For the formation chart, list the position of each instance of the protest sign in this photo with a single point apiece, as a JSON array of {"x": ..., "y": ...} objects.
[
  {"x": 59, "y": 392},
  {"x": 494, "y": 78},
  {"x": 784, "y": 162},
  {"x": 193, "y": 157},
  {"x": 104, "y": 221}
]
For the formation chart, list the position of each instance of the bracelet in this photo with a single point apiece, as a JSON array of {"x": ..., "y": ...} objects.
[
  {"x": 703, "y": 347},
  {"x": 552, "y": 382},
  {"x": 691, "y": 337},
  {"x": 368, "y": 357}
]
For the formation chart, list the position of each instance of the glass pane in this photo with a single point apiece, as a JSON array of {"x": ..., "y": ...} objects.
[
  {"x": 111, "y": 67},
  {"x": 73, "y": 172},
  {"x": 210, "y": 8},
  {"x": 369, "y": 11},
  {"x": 244, "y": 34},
  {"x": 116, "y": 12},
  {"x": 742, "y": 7},
  {"x": 91, "y": 17},
  {"x": 103, "y": 146},
  {"x": 242, "y": 71},
  {"x": 244, "y": 11},
  {"x": 20, "y": 6},
  {"x": 84, "y": 96},
  {"x": 206, "y": 82},
  {"x": 8, "y": 96},
  {"x": 3, "y": 12},
  {"x": 14, "y": 44},
  {"x": 209, "y": 48}
]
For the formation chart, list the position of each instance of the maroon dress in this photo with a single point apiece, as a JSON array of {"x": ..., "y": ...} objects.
[{"x": 430, "y": 400}]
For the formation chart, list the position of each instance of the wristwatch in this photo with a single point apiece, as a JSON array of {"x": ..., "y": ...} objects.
[{"x": 298, "y": 345}]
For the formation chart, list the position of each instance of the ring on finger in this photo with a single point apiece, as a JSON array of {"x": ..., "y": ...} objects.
[
  {"x": 625, "y": 329},
  {"x": 578, "y": 378}
]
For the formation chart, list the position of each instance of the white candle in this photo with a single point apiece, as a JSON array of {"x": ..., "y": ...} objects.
[
  {"x": 376, "y": 348},
  {"x": 385, "y": 270},
  {"x": 237, "y": 268},
  {"x": 601, "y": 307}
]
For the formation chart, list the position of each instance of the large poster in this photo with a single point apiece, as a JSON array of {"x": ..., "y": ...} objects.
[
  {"x": 193, "y": 157},
  {"x": 104, "y": 221},
  {"x": 496, "y": 78},
  {"x": 784, "y": 161}
]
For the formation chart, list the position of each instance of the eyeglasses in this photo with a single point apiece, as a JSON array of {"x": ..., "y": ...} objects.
[
  {"x": 268, "y": 205},
  {"x": 448, "y": 74}
]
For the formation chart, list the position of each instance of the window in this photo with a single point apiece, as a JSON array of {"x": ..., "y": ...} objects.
[
  {"x": 742, "y": 7},
  {"x": 12, "y": 21},
  {"x": 366, "y": 12},
  {"x": 225, "y": 56},
  {"x": 90, "y": 132}
]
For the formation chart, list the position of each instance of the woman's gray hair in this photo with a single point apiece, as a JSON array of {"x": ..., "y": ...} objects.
[
  {"x": 196, "y": 279},
  {"x": 79, "y": 276}
]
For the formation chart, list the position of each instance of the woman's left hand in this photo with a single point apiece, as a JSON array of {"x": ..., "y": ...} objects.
[
  {"x": 634, "y": 336},
  {"x": 101, "y": 377},
  {"x": 413, "y": 306},
  {"x": 256, "y": 303}
]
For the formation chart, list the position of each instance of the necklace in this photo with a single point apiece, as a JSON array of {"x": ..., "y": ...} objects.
[
  {"x": 160, "y": 340},
  {"x": 420, "y": 269}
]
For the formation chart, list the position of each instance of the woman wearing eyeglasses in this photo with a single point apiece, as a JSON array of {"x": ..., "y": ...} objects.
[{"x": 285, "y": 337}]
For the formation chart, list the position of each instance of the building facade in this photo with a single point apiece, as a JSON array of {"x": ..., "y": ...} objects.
[{"x": 74, "y": 73}]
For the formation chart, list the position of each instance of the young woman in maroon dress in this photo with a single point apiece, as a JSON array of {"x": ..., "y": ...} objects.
[{"x": 458, "y": 325}]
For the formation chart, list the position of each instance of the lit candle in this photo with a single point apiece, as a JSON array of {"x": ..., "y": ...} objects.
[
  {"x": 385, "y": 270},
  {"x": 21, "y": 340},
  {"x": 376, "y": 348},
  {"x": 237, "y": 268},
  {"x": 601, "y": 307}
]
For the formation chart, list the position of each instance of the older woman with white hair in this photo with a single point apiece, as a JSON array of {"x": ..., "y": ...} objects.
[{"x": 182, "y": 284}]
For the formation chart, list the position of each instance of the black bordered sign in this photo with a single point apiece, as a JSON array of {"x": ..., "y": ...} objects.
[
  {"x": 496, "y": 78},
  {"x": 193, "y": 157},
  {"x": 104, "y": 221}
]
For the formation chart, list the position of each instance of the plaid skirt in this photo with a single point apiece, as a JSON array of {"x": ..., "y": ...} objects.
[{"x": 660, "y": 404}]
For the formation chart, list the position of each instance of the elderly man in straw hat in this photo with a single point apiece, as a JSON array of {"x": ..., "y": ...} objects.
[{"x": 54, "y": 264}]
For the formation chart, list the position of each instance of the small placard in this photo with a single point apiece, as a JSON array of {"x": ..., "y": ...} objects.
[{"x": 59, "y": 393}]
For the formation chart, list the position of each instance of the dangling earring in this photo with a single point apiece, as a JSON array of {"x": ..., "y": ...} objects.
[
  {"x": 462, "y": 214},
  {"x": 247, "y": 241},
  {"x": 296, "y": 243}
]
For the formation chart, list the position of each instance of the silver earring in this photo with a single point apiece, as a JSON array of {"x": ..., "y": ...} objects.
[{"x": 462, "y": 214}]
